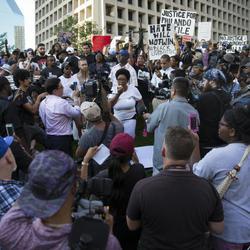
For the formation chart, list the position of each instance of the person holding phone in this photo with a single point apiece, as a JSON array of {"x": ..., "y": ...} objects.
[{"x": 176, "y": 112}]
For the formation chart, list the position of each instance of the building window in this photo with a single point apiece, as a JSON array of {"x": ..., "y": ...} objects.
[
  {"x": 120, "y": 29},
  {"x": 55, "y": 16},
  {"x": 150, "y": 5},
  {"x": 109, "y": 9},
  {"x": 130, "y": 15},
  {"x": 140, "y": 3},
  {"x": 158, "y": 7},
  {"x": 158, "y": 19},
  {"x": 140, "y": 17},
  {"x": 69, "y": 6},
  {"x": 120, "y": 13},
  {"x": 109, "y": 28},
  {"x": 150, "y": 19},
  {"x": 130, "y": 1}
]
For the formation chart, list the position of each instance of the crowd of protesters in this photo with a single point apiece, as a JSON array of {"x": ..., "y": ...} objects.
[{"x": 63, "y": 104}]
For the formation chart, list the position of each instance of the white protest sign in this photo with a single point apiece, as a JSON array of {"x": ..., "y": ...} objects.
[
  {"x": 184, "y": 21},
  {"x": 204, "y": 31},
  {"x": 232, "y": 42},
  {"x": 160, "y": 40},
  {"x": 114, "y": 40}
]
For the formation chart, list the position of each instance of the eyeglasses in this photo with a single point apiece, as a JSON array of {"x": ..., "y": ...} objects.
[{"x": 224, "y": 124}]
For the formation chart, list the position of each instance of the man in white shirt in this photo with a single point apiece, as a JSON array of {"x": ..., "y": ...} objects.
[
  {"x": 57, "y": 115},
  {"x": 123, "y": 63},
  {"x": 158, "y": 77}
]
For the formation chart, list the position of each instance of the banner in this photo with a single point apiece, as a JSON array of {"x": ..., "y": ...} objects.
[
  {"x": 232, "y": 43},
  {"x": 184, "y": 21},
  {"x": 204, "y": 31},
  {"x": 98, "y": 42},
  {"x": 160, "y": 40}
]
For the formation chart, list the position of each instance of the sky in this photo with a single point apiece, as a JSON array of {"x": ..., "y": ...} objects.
[{"x": 27, "y": 7}]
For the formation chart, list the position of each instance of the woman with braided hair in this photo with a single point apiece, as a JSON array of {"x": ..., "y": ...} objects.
[{"x": 234, "y": 129}]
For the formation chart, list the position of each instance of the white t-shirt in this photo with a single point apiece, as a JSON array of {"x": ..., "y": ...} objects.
[
  {"x": 67, "y": 82},
  {"x": 124, "y": 109}
]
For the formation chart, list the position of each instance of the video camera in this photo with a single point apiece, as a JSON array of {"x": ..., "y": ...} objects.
[
  {"x": 89, "y": 231},
  {"x": 163, "y": 91}
]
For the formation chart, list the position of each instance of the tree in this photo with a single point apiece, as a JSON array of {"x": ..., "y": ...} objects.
[
  {"x": 76, "y": 33},
  {"x": 3, "y": 38}
]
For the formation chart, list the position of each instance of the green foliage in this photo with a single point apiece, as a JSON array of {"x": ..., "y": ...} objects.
[
  {"x": 3, "y": 37},
  {"x": 79, "y": 32}
]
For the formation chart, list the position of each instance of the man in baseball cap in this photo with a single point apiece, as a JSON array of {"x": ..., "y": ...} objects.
[
  {"x": 49, "y": 196},
  {"x": 9, "y": 189},
  {"x": 41, "y": 217}
]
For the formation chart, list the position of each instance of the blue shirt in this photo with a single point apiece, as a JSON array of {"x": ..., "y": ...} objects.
[
  {"x": 169, "y": 114},
  {"x": 236, "y": 201},
  {"x": 9, "y": 192}
]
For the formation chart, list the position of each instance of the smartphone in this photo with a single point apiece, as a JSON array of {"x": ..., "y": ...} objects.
[
  {"x": 10, "y": 129},
  {"x": 73, "y": 86},
  {"x": 193, "y": 123}
]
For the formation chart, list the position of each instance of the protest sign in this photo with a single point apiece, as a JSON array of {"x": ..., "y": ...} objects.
[
  {"x": 99, "y": 42},
  {"x": 160, "y": 40},
  {"x": 64, "y": 37},
  {"x": 204, "y": 31},
  {"x": 184, "y": 21},
  {"x": 232, "y": 43}
]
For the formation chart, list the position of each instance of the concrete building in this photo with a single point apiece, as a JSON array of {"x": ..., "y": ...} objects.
[
  {"x": 12, "y": 22},
  {"x": 117, "y": 17}
]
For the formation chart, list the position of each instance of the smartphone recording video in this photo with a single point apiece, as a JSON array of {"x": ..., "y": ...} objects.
[
  {"x": 9, "y": 129},
  {"x": 193, "y": 123}
]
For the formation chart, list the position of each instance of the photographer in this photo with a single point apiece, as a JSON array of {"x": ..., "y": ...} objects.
[
  {"x": 160, "y": 80},
  {"x": 100, "y": 132},
  {"x": 124, "y": 176},
  {"x": 42, "y": 216}
]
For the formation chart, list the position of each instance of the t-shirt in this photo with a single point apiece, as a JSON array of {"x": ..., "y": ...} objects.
[
  {"x": 236, "y": 202},
  {"x": 211, "y": 106},
  {"x": 40, "y": 60},
  {"x": 51, "y": 72},
  {"x": 124, "y": 109},
  {"x": 174, "y": 208},
  {"x": 67, "y": 82},
  {"x": 92, "y": 136},
  {"x": 18, "y": 232},
  {"x": 19, "y": 100}
]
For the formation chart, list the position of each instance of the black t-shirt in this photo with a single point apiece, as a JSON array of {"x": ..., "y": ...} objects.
[
  {"x": 55, "y": 71},
  {"x": 174, "y": 208},
  {"x": 90, "y": 58},
  {"x": 132, "y": 176},
  {"x": 19, "y": 100},
  {"x": 211, "y": 107},
  {"x": 143, "y": 81},
  {"x": 9, "y": 114},
  {"x": 40, "y": 60}
]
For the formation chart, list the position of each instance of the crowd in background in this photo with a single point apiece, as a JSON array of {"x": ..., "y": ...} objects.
[{"x": 64, "y": 104}]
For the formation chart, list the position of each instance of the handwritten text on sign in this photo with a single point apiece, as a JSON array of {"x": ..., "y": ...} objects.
[
  {"x": 184, "y": 21},
  {"x": 160, "y": 40}
]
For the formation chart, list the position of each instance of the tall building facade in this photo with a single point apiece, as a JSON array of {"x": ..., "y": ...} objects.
[
  {"x": 12, "y": 22},
  {"x": 116, "y": 17}
]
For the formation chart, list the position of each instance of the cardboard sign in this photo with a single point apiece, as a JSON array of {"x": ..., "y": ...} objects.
[
  {"x": 98, "y": 42},
  {"x": 64, "y": 37},
  {"x": 184, "y": 21},
  {"x": 232, "y": 43},
  {"x": 160, "y": 40},
  {"x": 204, "y": 31}
]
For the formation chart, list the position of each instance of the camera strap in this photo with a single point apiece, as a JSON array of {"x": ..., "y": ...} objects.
[{"x": 104, "y": 133}]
